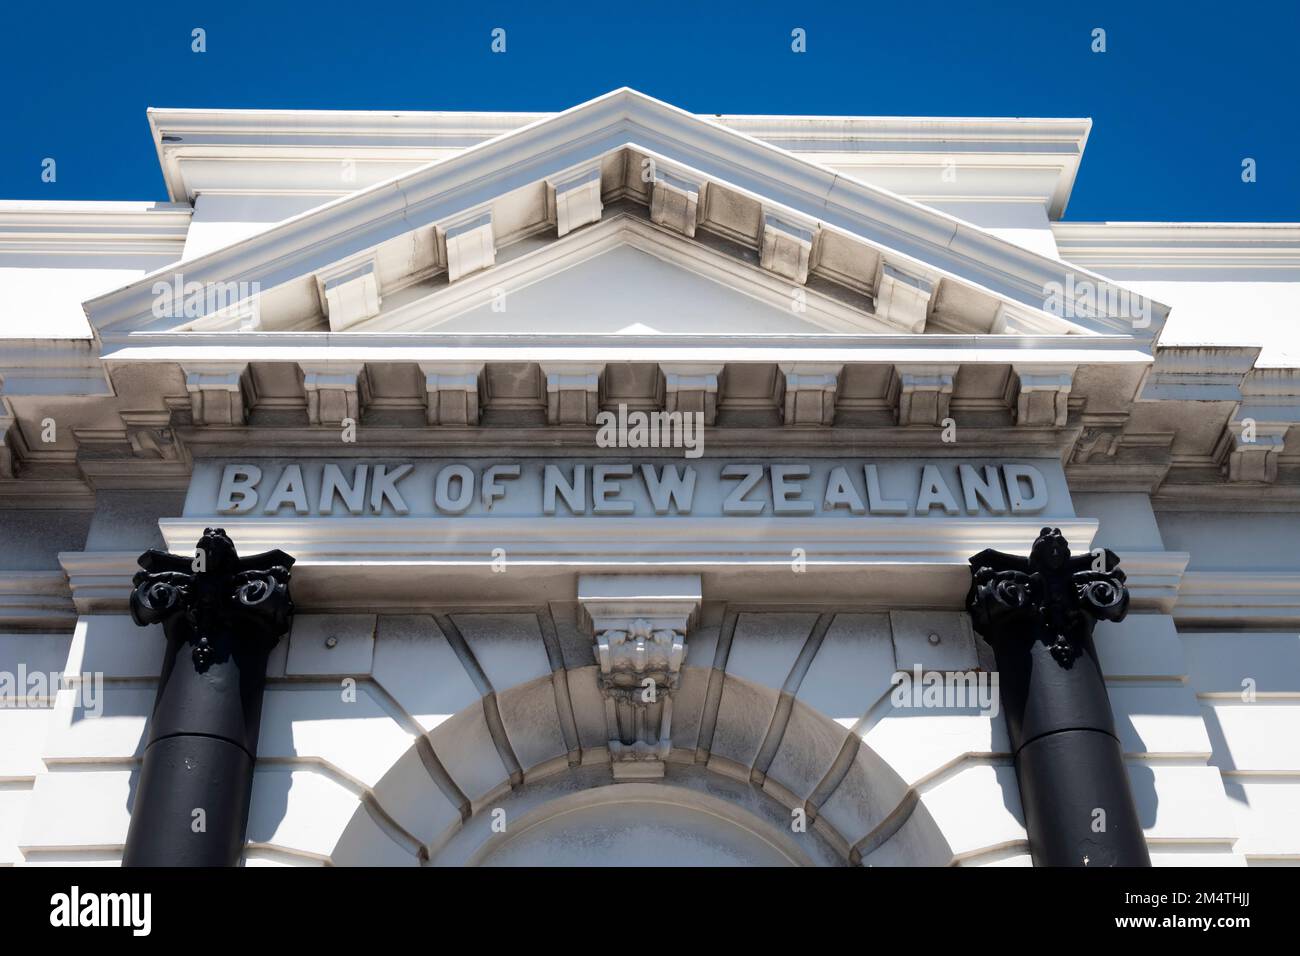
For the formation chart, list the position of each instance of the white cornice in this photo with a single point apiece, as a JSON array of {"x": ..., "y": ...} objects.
[
  {"x": 204, "y": 151},
  {"x": 297, "y": 151},
  {"x": 123, "y": 228},
  {"x": 595, "y": 544},
  {"x": 1154, "y": 578},
  {"x": 579, "y": 348},
  {"x": 622, "y": 119},
  {"x": 100, "y": 580},
  {"x": 1013, "y": 134},
  {"x": 1253, "y": 598},
  {"x": 1000, "y": 159},
  {"x": 35, "y": 600},
  {"x": 1189, "y": 245},
  {"x": 51, "y": 367},
  {"x": 433, "y": 128},
  {"x": 1205, "y": 373}
]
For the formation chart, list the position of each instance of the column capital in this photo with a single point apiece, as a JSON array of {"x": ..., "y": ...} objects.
[
  {"x": 1051, "y": 593},
  {"x": 214, "y": 590}
]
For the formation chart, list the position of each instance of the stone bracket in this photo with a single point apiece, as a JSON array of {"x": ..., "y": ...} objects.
[
  {"x": 1100, "y": 437},
  {"x": 786, "y": 248},
  {"x": 335, "y": 392},
  {"x": 1256, "y": 435},
  {"x": 902, "y": 298},
  {"x": 639, "y": 624},
  {"x": 575, "y": 200},
  {"x": 219, "y": 394},
  {"x": 692, "y": 389},
  {"x": 453, "y": 391},
  {"x": 922, "y": 393},
  {"x": 572, "y": 393},
  {"x": 1016, "y": 320},
  {"x": 1251, "y": 453},
  {"x": 150, "y": 435},
  {"x": 12, "y": 447},
  {"x": 810, "y": 393},
  {"x": 1041, "y": 394},
  {"x": 675, "y": 202},
  {"x": 469, "y": 243},
  {"x": 349, "y": 293}
]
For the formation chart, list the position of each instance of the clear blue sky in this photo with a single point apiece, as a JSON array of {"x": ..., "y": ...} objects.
[{"x": 1183, "y": 93}]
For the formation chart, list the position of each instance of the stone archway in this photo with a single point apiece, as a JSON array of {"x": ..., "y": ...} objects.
[
  {"x": 697, "y": 814},
  {"x": 779, "y": 718},
  {"x": 583, "y": 817}
]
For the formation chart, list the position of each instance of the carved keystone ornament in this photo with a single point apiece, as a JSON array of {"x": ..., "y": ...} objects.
[{"x": 639, "y": 624}]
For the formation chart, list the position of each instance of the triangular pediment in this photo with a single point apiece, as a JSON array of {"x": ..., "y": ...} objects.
[
  {"x": 624, "y": 276},
  {"x": 628, "y": 291},
  {"x": 425, "y": 252}
]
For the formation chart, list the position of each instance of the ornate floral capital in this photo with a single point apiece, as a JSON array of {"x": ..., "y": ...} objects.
[
  {"x": 1050, "y": 595},
  {"x": 215, "y": 591}
]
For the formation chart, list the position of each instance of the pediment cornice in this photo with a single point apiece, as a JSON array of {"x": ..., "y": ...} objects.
[{"x": 922, "y": 239}]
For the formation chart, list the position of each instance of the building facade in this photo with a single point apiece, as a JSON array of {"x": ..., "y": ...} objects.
[{"x": 627, "y": 467}]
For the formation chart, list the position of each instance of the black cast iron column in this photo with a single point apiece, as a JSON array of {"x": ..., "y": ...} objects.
[
  {"x": 1038, "y": 615},
  {"x": 221, "y": 615}
]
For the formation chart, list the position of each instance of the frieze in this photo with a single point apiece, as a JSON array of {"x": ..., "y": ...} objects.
[{"x": 731, "y": 488}]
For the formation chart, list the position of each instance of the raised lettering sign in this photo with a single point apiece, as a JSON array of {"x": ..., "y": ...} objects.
[{"x": 833, "y": 488}]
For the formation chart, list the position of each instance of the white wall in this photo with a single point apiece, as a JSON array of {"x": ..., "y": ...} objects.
[
  {"x": 221, "y": 220},
  {"x": 1248, "y": 687}
]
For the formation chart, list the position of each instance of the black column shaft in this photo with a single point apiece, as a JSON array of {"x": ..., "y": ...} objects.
[
  {"x": 1074, "y": 790},
  {"x": 221, "y": 615},
  {"x": 192, "y": 799},
  {"x": 1038, "y": 614}
]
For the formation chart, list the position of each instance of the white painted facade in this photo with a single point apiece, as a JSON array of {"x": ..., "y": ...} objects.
[{"x": 896, "y": 298}]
